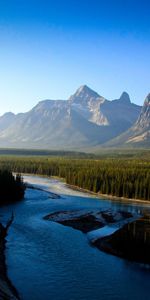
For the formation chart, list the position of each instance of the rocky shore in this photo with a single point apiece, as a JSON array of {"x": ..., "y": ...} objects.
[{"x": 7, "y": 291}]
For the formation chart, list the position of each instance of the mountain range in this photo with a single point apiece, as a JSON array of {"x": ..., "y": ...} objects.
[{"x": 85, "y": 120}]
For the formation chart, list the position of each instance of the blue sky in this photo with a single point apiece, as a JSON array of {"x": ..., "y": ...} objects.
[{"x": 49, "y": 48}]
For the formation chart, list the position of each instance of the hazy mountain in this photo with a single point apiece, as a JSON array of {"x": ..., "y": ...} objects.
[
  {"x": 139, "y": 134},
  {"x": 6, "y": 120},
  {"x": 85, "y": 119}
]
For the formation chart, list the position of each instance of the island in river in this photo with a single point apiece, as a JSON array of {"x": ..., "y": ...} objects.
[{"x": 88, "y": 221}]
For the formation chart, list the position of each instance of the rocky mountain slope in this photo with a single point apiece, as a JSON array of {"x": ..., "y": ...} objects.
[
  {"x": 139, "y": 134},
  {"x": 85, "y": 119}
]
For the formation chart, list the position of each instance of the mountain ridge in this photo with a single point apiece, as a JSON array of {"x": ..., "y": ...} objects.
[
  {"x": 85, "y": 119},
  {"x": 139, "y": 133}
]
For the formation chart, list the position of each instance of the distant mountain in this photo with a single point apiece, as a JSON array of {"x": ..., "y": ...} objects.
[
  {"x": 139, "y": 134},
  {"x": 6, "y": 120},
  {"x": 85, "y": 119}
]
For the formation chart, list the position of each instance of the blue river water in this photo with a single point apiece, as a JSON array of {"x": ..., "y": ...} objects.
[{"x": 47, "y": 260}]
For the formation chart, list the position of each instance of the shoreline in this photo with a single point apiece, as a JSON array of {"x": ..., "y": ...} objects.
[
  {"x": 90, "y": 221},
  {"x": 79, "y": 189},
  {"x": 111, "y": 197},
  {"x": 7, "y": 290},
  {"x": 52, "y": 195}
]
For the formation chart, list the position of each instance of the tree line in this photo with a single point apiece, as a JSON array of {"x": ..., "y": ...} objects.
[
  {"x": 117, "y": 177},
  {"x": 12, "y": 187}
]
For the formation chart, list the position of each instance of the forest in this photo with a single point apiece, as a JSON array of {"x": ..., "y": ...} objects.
[
  {"x": 128, "y": 178},
  {"x": 12, "y": 187}
]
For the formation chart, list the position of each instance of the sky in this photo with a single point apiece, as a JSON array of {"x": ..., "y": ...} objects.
[{"x": 50, "y": 48}]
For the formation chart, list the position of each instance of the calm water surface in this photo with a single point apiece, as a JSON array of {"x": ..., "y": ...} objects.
[{"x": 47, "y": 260}]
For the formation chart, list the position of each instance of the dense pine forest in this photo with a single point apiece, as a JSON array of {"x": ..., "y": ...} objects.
[
  {"x": 12, "y": 187},
  {"x": 129, "y": 178}
]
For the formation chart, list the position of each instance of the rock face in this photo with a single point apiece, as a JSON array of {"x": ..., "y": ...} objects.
[
  {"x": 139, "y": 134},
  {"x": 85, "y": 119}
]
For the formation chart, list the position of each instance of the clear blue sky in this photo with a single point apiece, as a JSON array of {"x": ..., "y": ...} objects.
[{"x": 49, "y": 48}]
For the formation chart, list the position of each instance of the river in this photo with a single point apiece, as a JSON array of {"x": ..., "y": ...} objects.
[{"x": 47, "y": 260}]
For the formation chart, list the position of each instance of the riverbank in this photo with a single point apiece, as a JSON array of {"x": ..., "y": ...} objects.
[
  {"x": 51, "y": 195},
  {"x": 104, "y": 196},
  {"x": 85, "y": 191},
  {"x": 7, "y": 290},
  {"x": 131, "y": 242}
]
